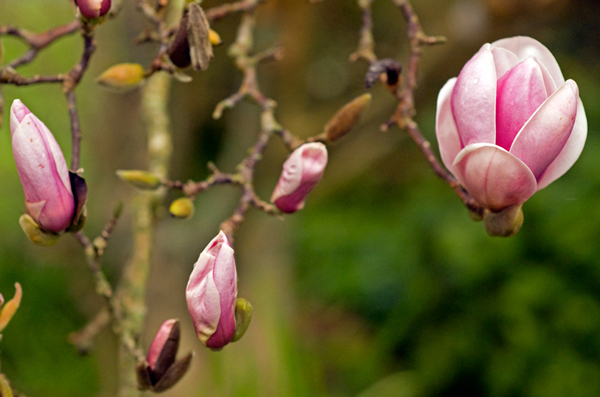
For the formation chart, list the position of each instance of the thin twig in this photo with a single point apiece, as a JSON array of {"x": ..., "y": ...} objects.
[
  {"x": 405, "y": 111},
  {"x": 215, "y": 13},
  {"x": 366, "y": 44},
  {"x": 37, "y": 41}
]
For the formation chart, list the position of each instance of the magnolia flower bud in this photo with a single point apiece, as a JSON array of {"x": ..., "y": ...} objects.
[
  {"x": 42, "y": 169},
  {"x": 93, "y": 8},
  {"x": 510, "y": 124},
  {"x": 211, "y": 294},
  {"x": 160, "y": 371},
  {"x": 10, "y": 308},
  {"x": 122, "y": 77},
  {"x": 301, "y": 173}
]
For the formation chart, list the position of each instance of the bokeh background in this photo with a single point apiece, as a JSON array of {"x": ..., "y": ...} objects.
[{"x": 382, "y": 285}]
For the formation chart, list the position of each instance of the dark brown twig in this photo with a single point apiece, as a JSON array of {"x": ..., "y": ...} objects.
[{"x": 10, "y": 76}]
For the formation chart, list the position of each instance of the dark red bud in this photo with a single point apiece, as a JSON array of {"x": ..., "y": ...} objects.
[{"x": 93, "y": 8}]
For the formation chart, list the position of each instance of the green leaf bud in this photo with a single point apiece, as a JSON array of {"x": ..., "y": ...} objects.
[
  {"x": 122, "y": 77},
  {"x": 504, "y": 223},
  {"x": 139, "y": 179},
  {"x": 35, "y": 234},
  {"x": 243, "y": 316},
  {"x": 182, "y": 208}
]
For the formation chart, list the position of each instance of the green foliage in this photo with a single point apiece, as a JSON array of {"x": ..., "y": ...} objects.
[
  {"x": 35, "y": 353},
  {"x": 467, "y": 314}
]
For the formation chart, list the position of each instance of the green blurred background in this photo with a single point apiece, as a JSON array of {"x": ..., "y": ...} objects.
[{"x": 381, "y": 286}]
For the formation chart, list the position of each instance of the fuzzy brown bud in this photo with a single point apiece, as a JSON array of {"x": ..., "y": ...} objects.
[
  {"x": 192, "y": 44},
  {"x": 346, "y": 118}
]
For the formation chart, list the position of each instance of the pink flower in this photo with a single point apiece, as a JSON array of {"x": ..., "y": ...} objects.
[
  {"x": 211, "y": 294},
  {"x": 510, "y": 124},
  {"x": 93, "y": 8},
  {"x": 43, "y": 170},
  {"x": 301, "y": 173}
]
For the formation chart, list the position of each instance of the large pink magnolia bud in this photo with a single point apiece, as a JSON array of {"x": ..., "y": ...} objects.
[
  {"x": 93, "y": 8},
  {"x": 301, "y": 173},
  {"x": 43, "y": 170},
  {"x": 510, "y": 124},
  {"x": 211, "y": 294}
]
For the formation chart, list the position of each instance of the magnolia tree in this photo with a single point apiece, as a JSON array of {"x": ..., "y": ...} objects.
[{"x": 507, "y": 126}]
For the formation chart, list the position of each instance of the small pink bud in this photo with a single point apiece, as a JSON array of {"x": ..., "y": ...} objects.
[
  {"x": 301, "y": 173},
  {"x": 160, "y": 371},
  {"x": 93, "y": 8},
  {"x": 211, "y": 294},
  {"x": 42, "y": 169},
  {"x": 165, "y": 343}
]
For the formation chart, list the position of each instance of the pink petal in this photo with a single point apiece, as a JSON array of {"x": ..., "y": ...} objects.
[
  {"x": 445, "y": 127},
  {"x": 203, "y": 305},
  {"x": 525, "y": 47},
  {"x": 504, "y": 60},
  {"x": 18, "y": 111},
  {"x": 159, "y": 341},
  {"x": 545, "y": 134},
  {"x": 225, "y": 278},
  {"x": 202, "y": 267},
  {"x": 314, "y": 161},
  {"x": 570, "y": 153},
  {"x": 549, "y": 82},
  {"x": 35, "y": 209},
  {"x": 474, "y": 99},
  {"x": 520, "y": 92},
  {"x": 494, "y": 177},
  {"x": 201, "y": 293},
  {"x": 291, "y": 176}
]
